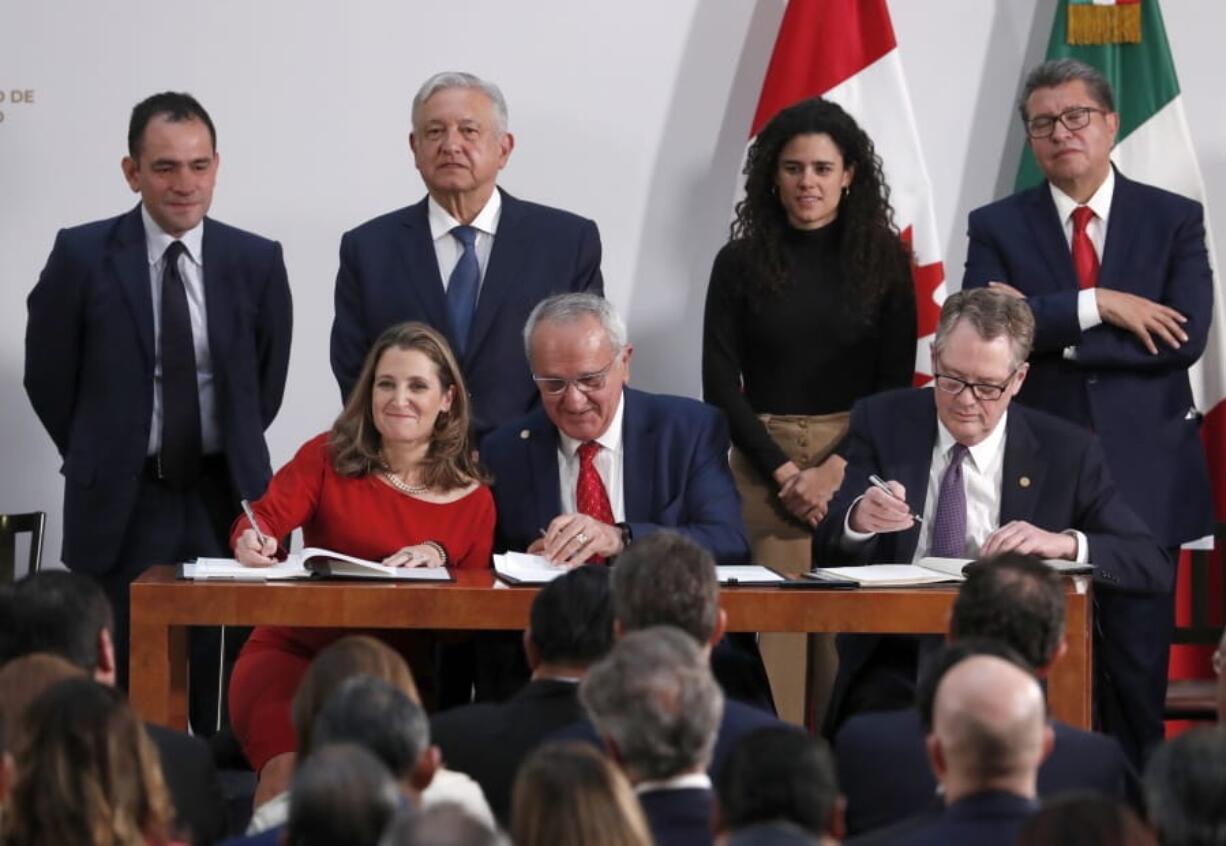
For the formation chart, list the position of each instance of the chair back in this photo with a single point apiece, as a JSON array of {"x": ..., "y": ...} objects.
[{"x": 12, "y": 525}]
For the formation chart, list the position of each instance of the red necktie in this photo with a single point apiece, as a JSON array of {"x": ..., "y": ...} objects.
[
  {"x": 591, "y": 498},
  {"x": 1085, "y": 260}
]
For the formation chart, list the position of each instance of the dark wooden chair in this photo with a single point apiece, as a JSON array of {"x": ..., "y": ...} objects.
[
  {"x": 1196, "y": 699},
  {"x": 11, "y": 525}
]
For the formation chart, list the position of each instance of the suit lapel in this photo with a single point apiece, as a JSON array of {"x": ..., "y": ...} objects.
[
  {"x": 1121, "y": 231},
  {"x": 1023, "y": 470},
  {"x": 130, "y": 265},
  {"x": 218, "y": 289},
  {"x": 421, "y": 280},
  {"x": 501, "y": 273},
  {"x": 912, "y": 465},
  {"x": 1048, "y": 232},
  {"x": 637, "y": 458},
  {"x": 541, "y": 444}
]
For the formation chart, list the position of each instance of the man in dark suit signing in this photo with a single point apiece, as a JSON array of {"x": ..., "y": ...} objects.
[
  {"x": 986, "y": 476},
  {"x": 470, "y": 259},
  {"x": 1118, "y": 277},
  {"x": 156, "y": 353}
]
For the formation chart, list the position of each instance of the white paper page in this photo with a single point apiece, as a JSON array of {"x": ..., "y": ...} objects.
[
  {"x": 886, "y": 574},
  {"x": 227, "y": 569},
  {"x": 534, "y": 569},
  {"x": 752, "y": 573}
]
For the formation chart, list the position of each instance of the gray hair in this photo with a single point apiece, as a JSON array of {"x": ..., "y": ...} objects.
[
  {"x": 992, "y": 314},
  {"x": 569, "y": 308},
  {"x": 654, "y": 698},
  {"x": 459, "y": 79},
  {"x": 1059, "y": 71},
  {"x": 440, "y": 824},
  {"x": 666, "y": 579},
  {"x": 370, "y": 713}
]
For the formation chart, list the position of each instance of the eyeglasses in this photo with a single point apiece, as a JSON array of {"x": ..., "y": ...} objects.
[
  {"x": 554, "y": 386},
  {"x": 1073, "y": 119},
  {"x": 985, "y": 391}
]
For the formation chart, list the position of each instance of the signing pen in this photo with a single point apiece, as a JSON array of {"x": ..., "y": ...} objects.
[
  {"x": 260, "y": 536},
  {"x": 879, "y": 482}
]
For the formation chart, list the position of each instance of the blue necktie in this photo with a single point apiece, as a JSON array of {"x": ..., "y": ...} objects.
[
  {"x": 463, "y": 284},
  {"x": 949, "y": 525}
]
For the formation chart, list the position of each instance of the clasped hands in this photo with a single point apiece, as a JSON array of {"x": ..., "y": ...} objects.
[
  {"x": 806, "y": 494},
  {"x": 571, "y": 539},
  {"x": 878, "y": 512},
  {"x": 250, "y": 552}
]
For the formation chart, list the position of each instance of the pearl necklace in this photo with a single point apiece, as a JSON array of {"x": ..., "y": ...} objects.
[{"x": 401, "y": 485}]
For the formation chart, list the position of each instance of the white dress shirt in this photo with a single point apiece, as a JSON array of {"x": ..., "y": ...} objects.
[
  {"x": 448, "y": 250},
  {"x": 608, "y": 463},
  {"x": 685, "y": 781},
  {"x": 1100, "y": 203},
  {"x": 191, "y": 270}
]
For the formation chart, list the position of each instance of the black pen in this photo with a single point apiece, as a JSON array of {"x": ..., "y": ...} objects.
[{"x": 879, "y": 482}]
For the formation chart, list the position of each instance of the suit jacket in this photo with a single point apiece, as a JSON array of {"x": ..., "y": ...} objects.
[
  {"x": 489, "y": 741},
  {"x": 675, "y": 475},
  {"x": 389, "y": 273},
  {"x": 191, "y": 780},
  {"x": 1140, "y": 405},
  {"x": 90, "y": 359},
  {"x": 679, "y": 817},
  {"x": 878, "y": 796},
  {"x": 992, "y": 817},
  {"x": 1054, "y": 476}
]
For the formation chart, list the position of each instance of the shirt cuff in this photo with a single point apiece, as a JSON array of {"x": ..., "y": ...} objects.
[
  {"x": 851, "y": 537},
  {"x": 1083, "y": 546},
  {"x": 1087, "y": 309}
]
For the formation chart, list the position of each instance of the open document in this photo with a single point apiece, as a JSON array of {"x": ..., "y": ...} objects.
[
  {"x": 927, "y": 571},
  {"x": 312, "y": 561}
]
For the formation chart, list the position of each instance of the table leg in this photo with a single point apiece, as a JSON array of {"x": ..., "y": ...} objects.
[
  {"x": 158, "y": 682},
  {"x": 1071, "y": 680}
]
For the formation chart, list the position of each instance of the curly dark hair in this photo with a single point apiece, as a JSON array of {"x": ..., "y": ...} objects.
[{"x": 870, "y": 246}]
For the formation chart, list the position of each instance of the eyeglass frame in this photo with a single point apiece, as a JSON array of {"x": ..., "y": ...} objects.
[
  {"x": 597, "y": 381},
  {"x": 1002, "y": 387},
  {"x": 1089, "y": 111}
]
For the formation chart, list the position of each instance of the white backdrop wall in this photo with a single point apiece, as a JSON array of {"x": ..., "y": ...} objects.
[{"x": 633, "y": 113}]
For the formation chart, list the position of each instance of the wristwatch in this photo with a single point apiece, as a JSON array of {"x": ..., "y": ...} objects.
[{"x": 627, "y": 535}]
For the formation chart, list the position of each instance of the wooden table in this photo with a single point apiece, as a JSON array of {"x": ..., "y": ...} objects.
[{"x": 164, "y": 606}]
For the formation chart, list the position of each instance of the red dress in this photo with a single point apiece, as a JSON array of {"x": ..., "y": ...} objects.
[{"x": 361, "y": 516}]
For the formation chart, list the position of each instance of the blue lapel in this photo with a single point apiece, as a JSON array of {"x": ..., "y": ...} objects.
[
  {"x": 1048, "y": 231},
  {"x": 130, "y": 266},
  {"x": 911, "y": 462},
  {"x": 420, "y": 279},
  {"x": 502, "y": 272},
  {"x": 540, "y": 441},
  {"x": 1121, "y": 233},
  {"x": 638, "y": 457},
  {"x": 1023, "y": 471},
  {"x": 219, "y": 289}
]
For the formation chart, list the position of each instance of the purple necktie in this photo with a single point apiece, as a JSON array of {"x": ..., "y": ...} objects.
[{"x": 949, "y": 525}]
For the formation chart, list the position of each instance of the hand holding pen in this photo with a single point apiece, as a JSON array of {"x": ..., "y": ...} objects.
[
  {"x": 254, "y": 548},
  {"x": 882, "y": 508}
]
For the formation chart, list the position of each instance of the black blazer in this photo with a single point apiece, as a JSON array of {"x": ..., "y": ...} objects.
[
  {"x": 191, "y": 779},
  {"x": 90, "y": 359},
  {"x": 680, "y": 817}
]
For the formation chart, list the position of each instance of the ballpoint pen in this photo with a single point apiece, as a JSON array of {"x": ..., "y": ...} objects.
[
  {"x": 879, "y": 482},
  {"x": 260, "y": 536}
]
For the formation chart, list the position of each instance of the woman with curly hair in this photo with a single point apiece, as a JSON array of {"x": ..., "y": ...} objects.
[{"x": 810, "y": 307}]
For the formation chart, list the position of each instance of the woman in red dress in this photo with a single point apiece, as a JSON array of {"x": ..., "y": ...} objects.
[{"x": 395, "y": 480}]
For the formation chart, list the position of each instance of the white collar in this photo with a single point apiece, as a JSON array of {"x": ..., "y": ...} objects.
[
  {"x": 486, "y": 221},
  {"x": 1099, "y": 203},
  {"x": 986, "y": 452},
  {"x": 158, "y": 239},
  {"x": 611, "y": 439},
  {"x": 685, "y": 781}
]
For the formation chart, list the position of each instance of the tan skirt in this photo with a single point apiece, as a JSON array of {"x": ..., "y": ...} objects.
[{"x": 801, "y": 667}]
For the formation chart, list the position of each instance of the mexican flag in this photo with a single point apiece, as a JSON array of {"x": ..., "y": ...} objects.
[
  {"x": 1126, "y": 40},
  {"x": 845, "y": 51}
]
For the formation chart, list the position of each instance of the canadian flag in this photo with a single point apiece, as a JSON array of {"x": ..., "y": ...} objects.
[{"x": 845, "y": 51}]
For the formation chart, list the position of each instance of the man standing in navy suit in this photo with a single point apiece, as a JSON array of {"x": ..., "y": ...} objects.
[
  {"x": 1118, "y": 277},
  {"x": 469, "y": 259},
  {"x": 156, "y": 353}
]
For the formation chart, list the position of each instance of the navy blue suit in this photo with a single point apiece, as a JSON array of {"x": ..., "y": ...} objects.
[
  {"x": 389, "y": 273},
  {"x": 1054, "y": 476},
  {"x": 675, "y": 472},
  {"x": 991, "y": 817},
  {"x": 879, "y": 795},
  {"x": 680, "y": 817}
]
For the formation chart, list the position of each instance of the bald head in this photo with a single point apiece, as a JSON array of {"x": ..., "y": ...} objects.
[{"x": 989, "y": 728}]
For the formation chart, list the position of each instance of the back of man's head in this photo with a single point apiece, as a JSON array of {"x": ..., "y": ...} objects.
[
  {"x": 779, "y": 774},
  {"x": 23, "y": 680},
  {"x": 370, "y": 713},
  {"x": 1185, "y": 789},
  {"x": 989, "y": 728},
  {"x": 1016, "y": 599},
  {"x": 341, "y": 794},
  {"x": 654, "y": 701},
  {"x": 61, "y": 613},
  {"x": 665, "y": 579},
  {"x": 949, "y": 656},
  {"x": 444, "y": 824},
  {"x": 571, "y": 622}
]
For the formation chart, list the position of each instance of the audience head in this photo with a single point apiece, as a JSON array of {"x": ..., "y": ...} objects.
[
  {"x": 773, "y": 834},
  {"x": 86, "y": 772},
  {"x": 1067, "y": 107},
  {"x": 655, "y": 703},
  {"x": 23, "y": 680},
  {"x": 418, "y": 354},
  {"x": 780, "y": 774},
  {"x": 949, "y": 656},
  {"x": 64, "y": 614},
  {"x": 580, "y": 359},
  {"x": 1017, "y": 600},
  {"x": 341, "y": 794},
  {"x": 1085, "y": 819},
  {"x": 989, "y": 729},
  {"x": 354, "y": 655},
  {"x": 1185, "y": 789},
  {"x": 570, "y": 793},
  {"x": 665, "y": 579},
  {"x": 444, "y": 824},
  {"x": 979, "y": 360},
  {"x": 370, "y": 713},
  {"x": 571, "y": 623},
  {"x": 172, "y": 160}
]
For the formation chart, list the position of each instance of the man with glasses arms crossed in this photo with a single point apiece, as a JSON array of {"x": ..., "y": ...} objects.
[
  {"x": 971, "y": 476},
  {"x": 1118, "y": 277}
]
